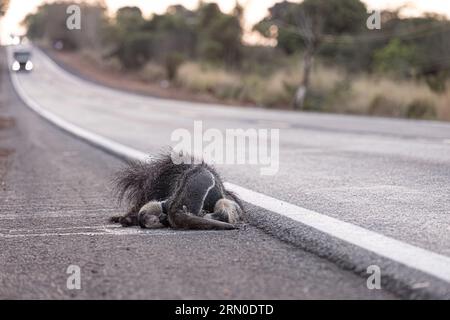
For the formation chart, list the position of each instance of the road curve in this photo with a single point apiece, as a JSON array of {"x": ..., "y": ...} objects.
[
  {"x": 389, "y": 176},
  {"x": 55, "y": 201}
]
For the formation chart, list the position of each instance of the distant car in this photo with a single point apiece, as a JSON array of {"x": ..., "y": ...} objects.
[{"x": 22, "y": 60}]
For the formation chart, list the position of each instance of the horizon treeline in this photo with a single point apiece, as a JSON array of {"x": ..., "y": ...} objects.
[{"x": 332, "y": 32}]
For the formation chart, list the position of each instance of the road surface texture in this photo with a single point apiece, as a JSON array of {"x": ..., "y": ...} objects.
[
  {"x": 55, "y": 200},
  {"x": 390, "y": 176},
  {"x": 387, "y": 176}
]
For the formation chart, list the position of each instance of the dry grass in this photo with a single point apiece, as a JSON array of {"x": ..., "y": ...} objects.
[
  {"x": 152, "y": 72},
  {"x": 95, "y": 58},
  {"x": 443, "y": 106},
  {"x": 371, "y": 95},
  {"x": 232, "y": 86},
  {"x": 332, "y": 90},
  {"x": 201, "y": 78}
]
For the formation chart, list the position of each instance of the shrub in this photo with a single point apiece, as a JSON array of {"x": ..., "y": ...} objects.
[
  {"x": 383, "y": 106},
  {"x": 172, "y": 62},
  {"x": 396, "y": 58},
  {"x": 152, "y": 72},
  {"x": 421, "y": 109}
]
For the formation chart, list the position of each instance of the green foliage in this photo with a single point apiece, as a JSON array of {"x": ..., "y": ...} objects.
[
  {"x": 413, "y": 48},
  {"x": 131, "y": 44},
  {"x": 173, "y": 62},
  {"x": 410, "y": 50},
  {"x": 36, "y": 23},
  {"x": 336, "y": 16},
  {"x": 421, "y": 109},
  {"x": 283, "y": 18},
  {"x": 129, "y": 19},
  {"x": 206, "y": 33},
  {"x": 49, "y": 23},
  {"x": 134, "y": 50},
  {"x": 437, "y": 81},
  {"x": 396, "y": 58},
  {"x": 219, "y": 35},
  {"x": 310, "y": 20}
]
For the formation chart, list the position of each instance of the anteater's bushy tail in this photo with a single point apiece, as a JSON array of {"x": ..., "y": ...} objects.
[{"x": 142, "y": 181}]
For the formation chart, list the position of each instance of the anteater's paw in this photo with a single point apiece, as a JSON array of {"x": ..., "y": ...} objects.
[{"x": 115, "y": 219}]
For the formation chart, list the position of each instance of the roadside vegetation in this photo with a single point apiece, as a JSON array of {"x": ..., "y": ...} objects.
[{"x": 323, "y": 56}]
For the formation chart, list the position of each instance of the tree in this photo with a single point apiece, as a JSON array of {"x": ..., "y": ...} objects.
[
  {"x": 49, "y": 23},
  {"x": 396, "y": 58},
  {"x": 130, "y": 43},
  {"x": 431, "y": 38},
  {"x": 36, "y": 23},
  {"x": 173, "y": 32},
  {"x": 414, "y": 48},
  {"x": 220, "y": 34},
  {"x": 129, "y": 19},
  {"x": 306, "y": 25}
]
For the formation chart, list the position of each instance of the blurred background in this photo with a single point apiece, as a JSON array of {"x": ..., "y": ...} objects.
[{"x": 315, "y": 55}]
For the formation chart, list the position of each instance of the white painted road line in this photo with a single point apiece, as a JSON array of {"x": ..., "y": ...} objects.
[
  {"x": 99, "y": 230},
  {"x": 24, "y": 230},
  {"x": 411, "y": 256},
  {"x": 122, "y": 232}
]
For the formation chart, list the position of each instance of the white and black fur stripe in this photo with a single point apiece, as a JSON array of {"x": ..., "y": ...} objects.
[{"x": 186, "y": 192}]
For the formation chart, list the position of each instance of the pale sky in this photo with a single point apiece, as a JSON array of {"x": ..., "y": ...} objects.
[{"x": 255, "y": 9}]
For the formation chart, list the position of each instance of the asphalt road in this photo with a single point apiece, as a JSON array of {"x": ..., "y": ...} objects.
[
  {"x": 54, "y": 203},
  {"x": 387, "y": 175}
]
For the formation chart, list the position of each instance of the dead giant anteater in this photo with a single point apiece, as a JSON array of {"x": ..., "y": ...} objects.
[{"x": 161, "y": 194}]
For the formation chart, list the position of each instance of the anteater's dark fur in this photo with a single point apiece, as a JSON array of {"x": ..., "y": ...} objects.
[{"x": 140, "y": 182}]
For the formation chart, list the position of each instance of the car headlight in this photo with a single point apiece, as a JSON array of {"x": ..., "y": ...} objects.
[
  {"x": 29, "y": 66},
  {"x": 16, "y": 66}
]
